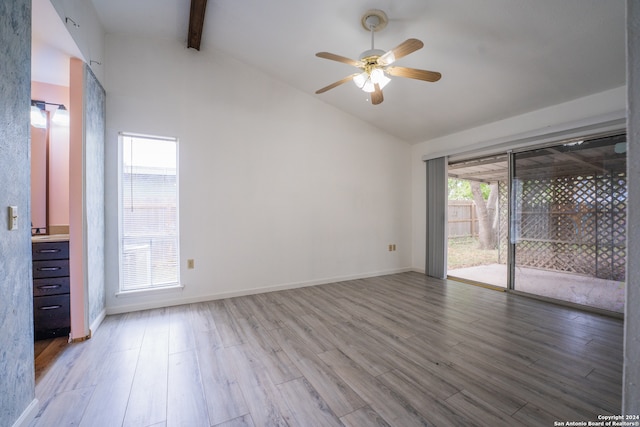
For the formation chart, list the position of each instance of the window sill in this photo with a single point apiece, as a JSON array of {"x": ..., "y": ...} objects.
[{"x": 150, "y": 291}]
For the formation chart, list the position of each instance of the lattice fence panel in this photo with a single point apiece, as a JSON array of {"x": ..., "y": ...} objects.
[
  {"x": 503, "y": 222},
  {"x": 573, "y": 224},
  {"x": 611, "y": 227}
]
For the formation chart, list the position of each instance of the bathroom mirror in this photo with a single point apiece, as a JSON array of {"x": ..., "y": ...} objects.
[{"x": 49, "y": 160}]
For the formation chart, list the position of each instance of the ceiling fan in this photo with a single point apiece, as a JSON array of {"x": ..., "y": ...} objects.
[{"x": 375, "y": 64}]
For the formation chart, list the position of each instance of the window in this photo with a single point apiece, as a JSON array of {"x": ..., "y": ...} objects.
[{"x": 149, "y": 241}]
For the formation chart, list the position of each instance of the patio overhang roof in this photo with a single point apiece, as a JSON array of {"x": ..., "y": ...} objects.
[{"x": 577, "y": 159}]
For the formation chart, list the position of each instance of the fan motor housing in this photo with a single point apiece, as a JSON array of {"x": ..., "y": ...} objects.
[{"x": 371, "y": 53}]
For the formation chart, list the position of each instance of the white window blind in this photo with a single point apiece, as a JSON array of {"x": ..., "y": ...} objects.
[{"x": 149, "y": 250}]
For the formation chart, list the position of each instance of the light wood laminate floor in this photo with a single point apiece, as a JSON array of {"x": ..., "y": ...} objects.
[{"x": 398, "y": 350}]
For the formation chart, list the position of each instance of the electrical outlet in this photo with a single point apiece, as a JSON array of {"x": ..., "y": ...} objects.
[{"x": 191, "y": 264}]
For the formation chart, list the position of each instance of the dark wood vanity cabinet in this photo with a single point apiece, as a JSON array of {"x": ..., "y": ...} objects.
[{"x": 51, "y": 304}]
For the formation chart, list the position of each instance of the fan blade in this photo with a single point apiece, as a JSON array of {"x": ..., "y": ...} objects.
[
  {"x": 334, "y": 57},
  {"x": 413, "y": 73},
  {"x": 376, "y": 95},
  {"x": 403, "y": 49},
  {"x": 338, "y": 83}
]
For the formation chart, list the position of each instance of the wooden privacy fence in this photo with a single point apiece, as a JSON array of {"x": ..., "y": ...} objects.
[{"x": 462, "y": 221}]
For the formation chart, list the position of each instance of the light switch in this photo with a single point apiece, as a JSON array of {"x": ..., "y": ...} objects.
[{"x": 13, "y": 217}]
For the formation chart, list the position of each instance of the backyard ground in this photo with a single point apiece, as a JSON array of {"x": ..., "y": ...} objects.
[{"x": 465, "y": 252}]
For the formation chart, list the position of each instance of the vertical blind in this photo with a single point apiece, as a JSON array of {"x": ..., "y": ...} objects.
[
  {"x": 436, "y": 251},
  {"x": 148, "y": 212}
]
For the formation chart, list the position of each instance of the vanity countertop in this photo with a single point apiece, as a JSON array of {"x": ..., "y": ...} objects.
[{"x": 50, "y": 238}]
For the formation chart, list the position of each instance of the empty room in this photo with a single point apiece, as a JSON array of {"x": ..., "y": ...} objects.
[{"x": 366, "y": 213}]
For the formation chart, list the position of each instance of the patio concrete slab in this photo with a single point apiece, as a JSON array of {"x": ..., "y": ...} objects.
[{"x": 576, "y": 288}]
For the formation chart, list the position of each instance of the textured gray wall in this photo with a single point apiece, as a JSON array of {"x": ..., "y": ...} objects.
[
  {"x": 631, "y": 395},
  {"x": 16, "y": 302},
  {"x": 94, "y": 120}
]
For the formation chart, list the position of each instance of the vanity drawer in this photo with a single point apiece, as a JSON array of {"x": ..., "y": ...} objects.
[
  {"x": 50, "y": 286},
  {"x": 52, "y": 311},
  {"x": 52, "y": 268},
  {"x": 50, "y": 250}
]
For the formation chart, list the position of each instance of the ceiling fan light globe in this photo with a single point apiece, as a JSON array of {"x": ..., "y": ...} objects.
[
  {"x": 363, "y": 82},
  {"x": 378, "y": 76},
  {"x": 367, "y": 81}
]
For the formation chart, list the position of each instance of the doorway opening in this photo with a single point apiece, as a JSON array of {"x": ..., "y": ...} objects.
[{"x": 477, "y": 220}]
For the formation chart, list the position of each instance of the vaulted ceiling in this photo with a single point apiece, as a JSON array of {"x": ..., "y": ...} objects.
[{"x": 498, "y": 58}]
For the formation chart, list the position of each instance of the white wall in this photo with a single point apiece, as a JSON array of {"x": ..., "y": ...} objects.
[
  {"x": 599, "y": 112},
  {"x": 87, "y": 32},
  {"x": 277, "y": 188}
]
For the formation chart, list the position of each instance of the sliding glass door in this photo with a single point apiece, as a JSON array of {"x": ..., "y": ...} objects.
[
  {"x": 568, "y": 222},
  {"x": 549, "y": 221}
]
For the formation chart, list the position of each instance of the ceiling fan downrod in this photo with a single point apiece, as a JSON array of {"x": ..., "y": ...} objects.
[{"x": 372, "y": 21}]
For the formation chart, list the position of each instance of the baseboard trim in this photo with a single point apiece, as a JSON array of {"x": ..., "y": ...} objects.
[
  {"x": 252, "y": 291},
  {"x": 28, "y": 414},
  {"x": 98, "y": 321}
]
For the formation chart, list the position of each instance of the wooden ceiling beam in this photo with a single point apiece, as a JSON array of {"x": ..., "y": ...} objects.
[{"x": 196, "y": 23}]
